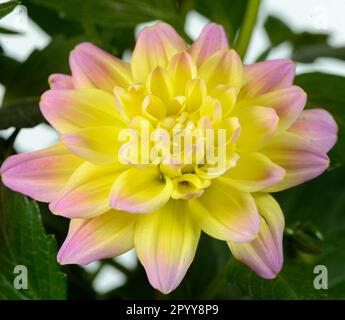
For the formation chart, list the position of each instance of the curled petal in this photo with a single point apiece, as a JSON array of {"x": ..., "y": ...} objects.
[
  {"x": 93, "y": 67},
  {"x": 166, "y": 242},
  {"x": 60, "y": 81},
  {"x": 155, "y": 47},
  {"x": 318, "y": 127},
  {"x": 87, "y": 192},
  {"x": 253, "y": 172},
  {"x": 40, "y": 174},
  {"x": 99, "y": 145},
  {"x": 287, "y": 103},
  {"x": 70, "y": 110},
  {"x": 266, "y": 76},
  {"x": 258, "y": 124},
  {"x": 140, "y": 190},
  {"x": 264, "y": 254},
  {"x": 105, "y": 236},
  {"x": 211, "y": 39},
  {"x": 224, "y": 67},
  {"x": 301, "y": 160},
  {"x": 226, "y": 213}
]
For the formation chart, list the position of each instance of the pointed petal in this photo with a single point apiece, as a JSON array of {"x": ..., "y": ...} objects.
[
  {"x": 287, "y": 103},
  {"x": 93, "y": 67},
  {"x": 318, "y": 127},
  {"x": 224, "y": 67},
  {"x": 265, "y": 253},
  {"x": 159, "y": 84},
  {"x": 196, "y": 92},
  {"x": 300, "y": 159},
  {"x": 211, "y": 39},
  {"x": 105, "y": 236},
  {"x": 129, "y": 102},
  {"x": 166, "y": 242},
  {"x": 258, "y": 124},
  {"x": 99, "y": 145},
  {"x": 87, "y": 192},
  {"x": 253, "y": 172},
  {"x": 181, "y": 70},
  {"x": 140, "y": 191},
  {"x": 266, "y": 76},
  {"x": 69, "y": 110},
  {"x": 155, "y": 47},
  {"x": 40, "y": 174},
  {"x": 60, "y": 81},
  {"x": 226, "y": 213}
]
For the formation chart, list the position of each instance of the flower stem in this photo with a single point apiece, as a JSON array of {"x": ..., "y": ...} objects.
[{"x": 247, "y": 27}]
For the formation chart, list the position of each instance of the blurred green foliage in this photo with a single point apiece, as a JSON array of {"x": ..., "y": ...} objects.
[{"x": 314, "y": 211}]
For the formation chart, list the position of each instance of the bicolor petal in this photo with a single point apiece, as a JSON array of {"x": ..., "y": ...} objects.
[
  {"x": 99, "y": 145},
  {"x": 40, "y": 174},
  {"x": 155, "y": 46},
  {"x": 253, "y": 172},
  {"x": 59, "y": 81},
  {"x": 166, "y": 242},
  {"x": 301, "y": 160},
  {"x": 318, "y": 127},
  {"x": 223, "y": 67},
  {"x": 265, "y": 253},
  {"x": 94, "y": 68},
  {"x": 266, "y": 76},
  {"x": 140, "y": 190},
  {"x": 211, "y": 39},
  {"x": 87, "y": 192},
  {"x": 69, "y": 110},
  {"x": 105, "y": 236},
  {"x": 226, "y": 213},
  {"x": 258, "y": 124},
  {"x": 287, "y": 103}
]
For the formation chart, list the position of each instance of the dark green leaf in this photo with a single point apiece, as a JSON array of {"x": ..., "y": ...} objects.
[
  {"x": 8, "y": 31},
  {"x": 294, "y": 282},
  {"x": 24, "y": 113},
  {"x": 7, "y": 7},
  {"x": 227, "y": 13},
  {"x": 23, "y": 242},
  {"x": 31, "y": 78},
  {"x": 322, "y": 201},
  {"x": 310, "y": 53},
  {"x": 277, "y": 31},
  {"x": 327, "y": 91}
]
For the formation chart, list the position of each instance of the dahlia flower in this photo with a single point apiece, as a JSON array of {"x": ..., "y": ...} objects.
[{"x": 120, "y": 198}]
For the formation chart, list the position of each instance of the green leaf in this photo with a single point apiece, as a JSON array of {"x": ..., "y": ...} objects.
[
  {"x": 115, "y": 14},
  {"x": 227, "y": 13},
  {"x": 24, "y": 113},
  {"x": 327, "y": 91},
  {"x": 310, "y": 53},
  {"x": 31, "y": 77},
  {"x": 8, "y": 31},
  {"x": 23, "y": 242},
  {"x": 7, "y": 7},
  {"x": 322, "y": 201},
  {"x": 294, "y": 282},
  {"x": 277, "y": 31}
]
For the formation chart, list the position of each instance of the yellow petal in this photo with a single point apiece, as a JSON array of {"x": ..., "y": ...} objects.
[
  {"x": 105, "y": 236},
  {"x": 155, "y": 46},
  {"x": 258, "y": 124},
  {"x": 140, "y": 190},
  {"x": 99, "y": 145},
  {"x": 87, "y": 192},
  {"x": 166, "y": 242},
  {"x": 181, "y": 70},
  {"x": 226, "y": 213},
  {"x": 223, "y": 67},
  {"x": 253, "y": 172}
]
